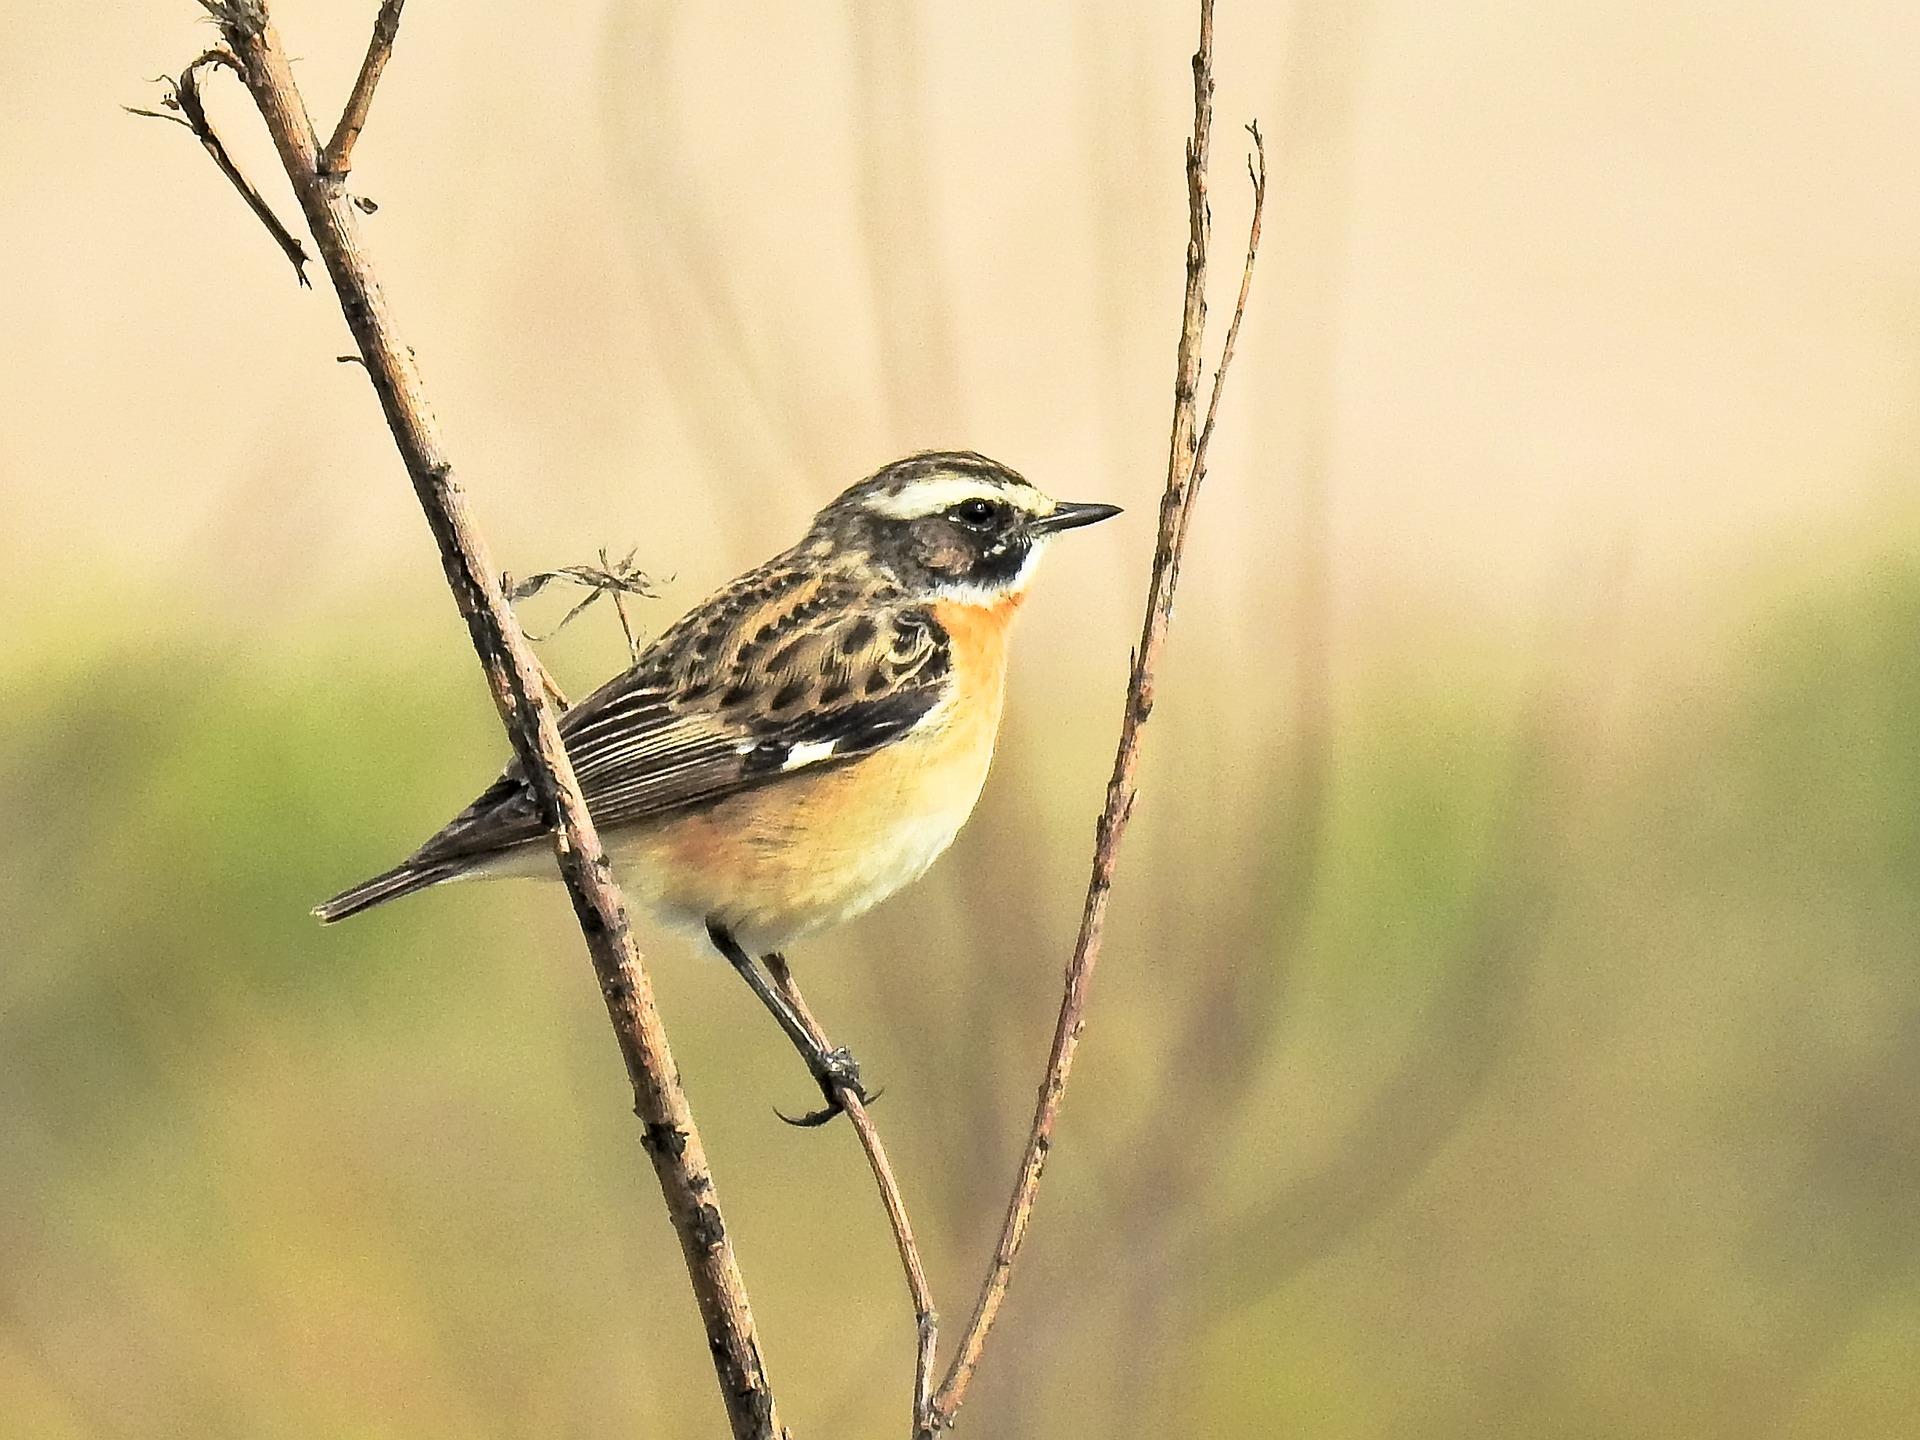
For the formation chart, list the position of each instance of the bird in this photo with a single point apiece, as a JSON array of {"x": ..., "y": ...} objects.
[{"x": 804, "y": 742}]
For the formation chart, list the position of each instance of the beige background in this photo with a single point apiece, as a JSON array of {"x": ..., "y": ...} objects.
[{"x": 1448, "y": 1075}]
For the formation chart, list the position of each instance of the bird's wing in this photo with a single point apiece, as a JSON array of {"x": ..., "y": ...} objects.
[{"x": 783, "y": 671}]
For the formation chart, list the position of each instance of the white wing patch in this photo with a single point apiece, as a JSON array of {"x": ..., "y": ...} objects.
[{"x": 807, "y": 754}]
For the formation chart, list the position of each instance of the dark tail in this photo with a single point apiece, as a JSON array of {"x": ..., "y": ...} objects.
[{"x": 403, "y": 879}]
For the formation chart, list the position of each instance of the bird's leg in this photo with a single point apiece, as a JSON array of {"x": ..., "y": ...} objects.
[
  {"x": 832, "y": 1068},
  {"x": 846, "y": 1087}
]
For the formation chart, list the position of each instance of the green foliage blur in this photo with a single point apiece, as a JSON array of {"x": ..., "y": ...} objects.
[{"x": 1617, "y": 1136}]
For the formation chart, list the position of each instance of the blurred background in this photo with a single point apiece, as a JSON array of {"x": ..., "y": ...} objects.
[{"x": 1509, "y": 1022}]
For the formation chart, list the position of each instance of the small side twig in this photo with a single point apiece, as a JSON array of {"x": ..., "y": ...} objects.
[
  {"x": 1257, "y": 177},
  {"x": 615, "y": 579},
  {"x": 548, "y": 685},
  {"x": 1186, "y": 468},
  {"x": 926, "y": 1321},
  {"x": 337, "y": 158},
  {"x": 182, "y": 98}
]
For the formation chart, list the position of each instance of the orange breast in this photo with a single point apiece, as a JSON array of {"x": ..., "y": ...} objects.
[
  {"x": 979, "y": 636},
  {"x": 778, "y": 862}
]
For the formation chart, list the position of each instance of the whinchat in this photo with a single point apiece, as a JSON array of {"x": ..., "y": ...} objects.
[{"x": 805, "y": 741}]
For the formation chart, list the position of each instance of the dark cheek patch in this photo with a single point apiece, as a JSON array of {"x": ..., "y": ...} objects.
[
  {"x": 1001, "y": 562},
  {"x": 940, "y": 548}
]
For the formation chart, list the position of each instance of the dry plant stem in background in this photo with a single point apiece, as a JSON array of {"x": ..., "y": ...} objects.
[
  {"x": 1186, "y": 468},
  {"x": 513, "y": 675}
]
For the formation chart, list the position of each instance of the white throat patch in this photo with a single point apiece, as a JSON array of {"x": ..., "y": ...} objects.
[{"x": 967, "y": 592}]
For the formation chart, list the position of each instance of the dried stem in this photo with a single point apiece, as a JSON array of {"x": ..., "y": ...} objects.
[
  {"x": 556, "y": 697},
  {"x": 926, "y": 1322},
  {"x": 1257, "y": 176},
  {"x": 183, "y": 100},
  {"x": 337, "y": 158},
  {"x": 1186, "y": 468},
  {"x": 669, "y": 1136}
]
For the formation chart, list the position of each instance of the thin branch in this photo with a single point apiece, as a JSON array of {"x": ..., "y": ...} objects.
[
  {"x": 337, "y": 159},
  {"x": 549, "y": 686},
  {"x": 926, "y": 1321},
  {"x": 668, "y": 1134},
  {"x": 1257, "y": 177},
  {"x": 183, "y": 96},
  {"x": 1186, "y": 468},
  {"x": 1224, "y": 1027}
]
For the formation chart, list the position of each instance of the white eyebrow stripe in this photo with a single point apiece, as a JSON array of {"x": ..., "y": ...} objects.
[{"x": 937, "y": 492}]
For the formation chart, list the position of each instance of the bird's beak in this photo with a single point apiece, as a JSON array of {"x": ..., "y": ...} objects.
[{"x": 1070, "y": 516}]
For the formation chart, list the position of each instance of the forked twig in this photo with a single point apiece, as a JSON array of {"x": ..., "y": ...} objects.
[
  {"x": 1186, "y": 468},
  {"x": 668, "y": 1134},
  {"x": 337, "y": 158},
  {"x": 182, "y": 105}
]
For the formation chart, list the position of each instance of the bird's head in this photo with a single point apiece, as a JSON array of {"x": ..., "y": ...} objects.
[{"x": 951, "y": 525}]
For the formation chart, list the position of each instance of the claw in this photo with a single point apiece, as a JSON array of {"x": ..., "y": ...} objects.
[
  {"x": 837, "y": 1073},
  {"x": 813, "y": 1118}
]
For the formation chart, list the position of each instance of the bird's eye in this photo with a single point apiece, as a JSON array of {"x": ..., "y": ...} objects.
[{"x": 977, "y": 514}]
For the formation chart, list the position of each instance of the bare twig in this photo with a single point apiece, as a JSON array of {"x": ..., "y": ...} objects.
[
  {"x": 1186, "y": 468},
  {"x": 926, "y": 1321},
  {"x": 337, "y": 158},
  {"x": 1257, "y": 177},
  {"x": 183, "y": 96},
  {"x": 669, "y": 1137},
  {"x": 613, "y": 578},
  {"x": 549, "y": 686},
  {"x": 1225, "y": 1025}
]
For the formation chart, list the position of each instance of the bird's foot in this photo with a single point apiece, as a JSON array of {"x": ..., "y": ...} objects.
[{"x": 838, "y": 1074}]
